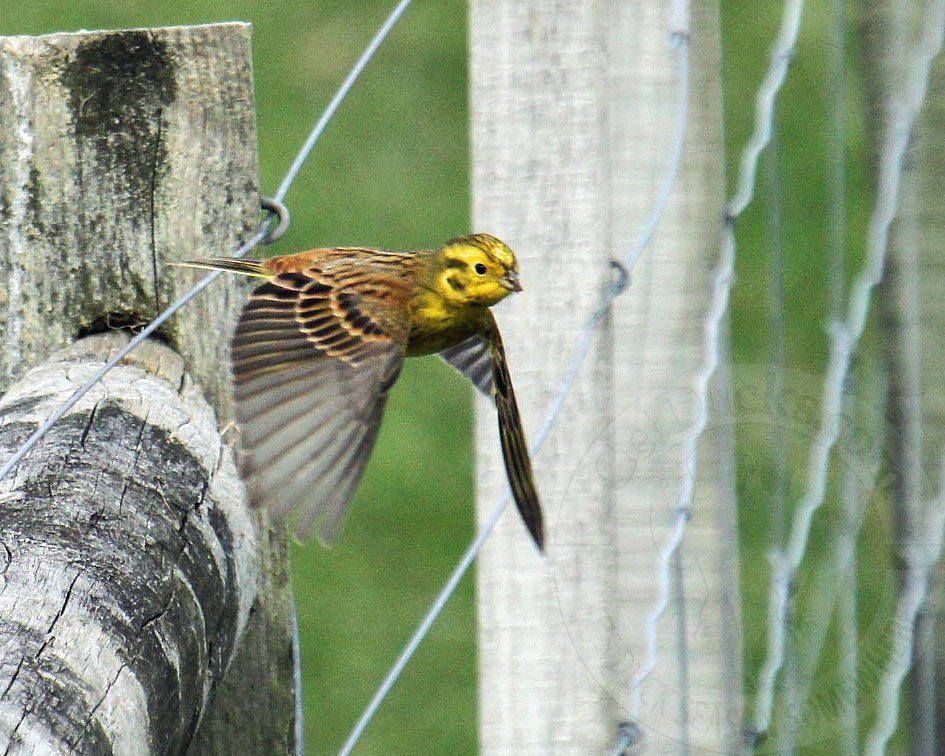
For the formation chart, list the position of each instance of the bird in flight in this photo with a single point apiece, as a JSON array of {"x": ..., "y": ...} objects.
[{"x": 320, "y": 343}]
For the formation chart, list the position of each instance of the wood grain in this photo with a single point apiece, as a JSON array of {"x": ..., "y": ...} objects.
[
  {"x": 122, "y": 151},
  {"x": 130, "y": 558}
]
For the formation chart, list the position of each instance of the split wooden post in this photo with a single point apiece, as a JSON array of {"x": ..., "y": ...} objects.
[
  {"x": 131, "y": 565},
  {"x": 572, "y": 119}
]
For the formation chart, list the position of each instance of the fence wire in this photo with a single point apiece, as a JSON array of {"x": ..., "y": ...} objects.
[
  {"x": 840, "y": 585},
  {"x": 920, "y": 560},
  {"x": 779, "y": 457},
  {"x": 903, "y": 350},
  {"x": 244, "y": 249},
  {"x": 679, "y": 41},
  {"x": 852, "y": 497},
  {"x": 844, "y": 337},
  {"x": 712, "y": 347}
]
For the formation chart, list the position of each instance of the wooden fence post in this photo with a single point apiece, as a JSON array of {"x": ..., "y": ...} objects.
[
  {"x": 119, "y": 152},
  {"x": 130, "y": 559},
  {"x": 573, "y": 107}
]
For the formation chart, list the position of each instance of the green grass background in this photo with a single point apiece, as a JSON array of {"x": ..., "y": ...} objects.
[{"x": 392, "y": 170}]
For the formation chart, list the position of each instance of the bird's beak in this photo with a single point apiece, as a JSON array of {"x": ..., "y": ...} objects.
[{"x": 510, "y": 281}]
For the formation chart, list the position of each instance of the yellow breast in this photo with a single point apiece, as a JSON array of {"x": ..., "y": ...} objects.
[{"x": 437, "y": 323}]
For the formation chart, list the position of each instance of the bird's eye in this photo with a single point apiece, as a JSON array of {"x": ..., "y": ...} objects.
[{"x": 480, "y": 269}]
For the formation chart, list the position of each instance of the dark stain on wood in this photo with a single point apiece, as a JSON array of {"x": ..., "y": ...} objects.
[
  {"x": 81, "y": 502},
  {"x": 118, "y": 86}
]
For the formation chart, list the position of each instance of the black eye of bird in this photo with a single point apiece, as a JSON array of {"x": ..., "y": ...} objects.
[{"x": 480, "y": 269}]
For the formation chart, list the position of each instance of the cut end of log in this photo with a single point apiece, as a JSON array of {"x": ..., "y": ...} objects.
[{"x": 130, "y": 557}]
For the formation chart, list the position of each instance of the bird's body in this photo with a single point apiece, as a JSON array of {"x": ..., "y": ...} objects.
[
  {"x": 436, "y": 325},
  {"x": 320, "y": 343}
]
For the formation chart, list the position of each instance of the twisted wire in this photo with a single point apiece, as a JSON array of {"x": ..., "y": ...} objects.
[
  {"x": 920, "y": 561},
  {"x": 712, "y": 348},
  {"x": 844, "y": 336}
]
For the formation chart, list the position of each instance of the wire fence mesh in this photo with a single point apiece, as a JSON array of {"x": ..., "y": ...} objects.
[
  {"x": 846, "y": 332},
  {"x": 844, "y": 337}
]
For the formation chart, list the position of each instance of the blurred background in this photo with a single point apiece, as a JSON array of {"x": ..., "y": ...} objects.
[{"x": 392, "y": 171}]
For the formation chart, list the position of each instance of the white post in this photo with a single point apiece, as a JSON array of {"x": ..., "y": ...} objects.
[{"x": 572, "y": 108}]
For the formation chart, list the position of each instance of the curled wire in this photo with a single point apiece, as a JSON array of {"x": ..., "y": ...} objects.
[
  {"x": 712, "y": 348},
  {"x": 280, "y": 213},
  {"x": 919, "y": 563}
]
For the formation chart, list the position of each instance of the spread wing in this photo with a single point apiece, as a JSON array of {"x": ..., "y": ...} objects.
[
  {"x": 473, "y": 358},
  {"x": 314, "y": 356},
  {"x": 518, "y": 465}
]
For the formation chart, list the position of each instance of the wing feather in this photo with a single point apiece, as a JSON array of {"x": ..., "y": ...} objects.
[
  {"x": 313, "y": 359},
  {"x": 512, "y": 438},
  {"x": 332, "y": 521},
  {"x": 473, "y": 358}
]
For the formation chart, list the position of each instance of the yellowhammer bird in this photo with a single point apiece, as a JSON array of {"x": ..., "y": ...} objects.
[{"x": 319, "y": 345}]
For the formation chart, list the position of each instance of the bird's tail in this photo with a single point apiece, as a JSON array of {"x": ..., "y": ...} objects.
[{"x": 233, "y": 264}]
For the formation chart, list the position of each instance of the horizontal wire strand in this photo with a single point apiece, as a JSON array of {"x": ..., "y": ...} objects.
[
  {"x": 680, "y": 42},
  {"x": 242, "y": 251},
  {"x": 844, "y": 337},
  {"x": 721, "y": 289}
]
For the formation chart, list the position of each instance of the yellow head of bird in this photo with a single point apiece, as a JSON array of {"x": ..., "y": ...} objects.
[{"x": 477, "y": 269}]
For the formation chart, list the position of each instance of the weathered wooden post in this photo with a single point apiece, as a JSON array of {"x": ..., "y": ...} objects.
[
  {"x": 572, "y": 108},
  {"x": 139, "y": 601}
]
